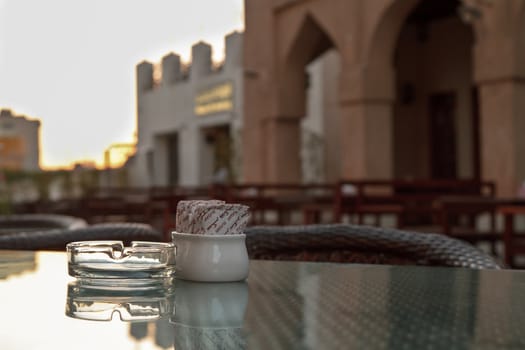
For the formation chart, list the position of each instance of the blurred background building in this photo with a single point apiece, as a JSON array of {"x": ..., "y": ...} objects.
[
  {"x": 19, "y": 142},
  {"x": 423, "y": 89},
  {"x": 317, "y": 91},
  {"x": 189, "y": 118}
]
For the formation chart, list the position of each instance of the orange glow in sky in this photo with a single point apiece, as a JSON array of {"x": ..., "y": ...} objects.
[{"x": 71, "y": 64}]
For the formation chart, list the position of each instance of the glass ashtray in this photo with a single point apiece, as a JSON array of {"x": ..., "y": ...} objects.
[
  {"x": 141, "y": 262},
  {"x": 95, "y": 303}
]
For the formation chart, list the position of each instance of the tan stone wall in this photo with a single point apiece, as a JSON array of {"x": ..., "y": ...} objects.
[
  {"x": 283, "y": 36},
  {"x": 503, "y": 146},
  {"x": 291, "y": 36}
]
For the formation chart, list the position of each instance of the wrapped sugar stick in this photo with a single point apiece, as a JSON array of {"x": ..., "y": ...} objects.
[
  {"x": 211, "y": 217},
  {"x": 221, "y": 219},
  {"x": 185, "y": 209}
]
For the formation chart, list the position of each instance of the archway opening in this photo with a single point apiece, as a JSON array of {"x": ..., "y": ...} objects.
[
  {"x": 435, "y": 114},
  {"x": 312, "y": 81}
]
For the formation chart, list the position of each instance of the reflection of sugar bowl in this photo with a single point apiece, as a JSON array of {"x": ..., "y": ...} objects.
[
  {"x": 209, "y": 314},
  {"x": 210, "y": 305},
  {"x": 210, "y": 258}
]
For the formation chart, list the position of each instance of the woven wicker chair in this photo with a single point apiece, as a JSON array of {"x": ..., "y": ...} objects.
[
  {"x": 38, "y": 222},
  {"x": 362, "y": 244},
  {"x": 56, "y": 239}
]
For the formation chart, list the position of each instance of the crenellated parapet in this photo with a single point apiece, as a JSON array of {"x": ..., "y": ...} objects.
[
  {"x": 233, "y": 49},
  {"x": 144, "y": 76},
  {"x": 201, "y": 63},
  {"x": 6, "y": 114},
  {"x": 173, "y": 70}
]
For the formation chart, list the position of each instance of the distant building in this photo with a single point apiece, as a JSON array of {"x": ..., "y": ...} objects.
[
  {"x": 425, "y": 89},
  {"x": 19, "y": 142},
  {"x": 321, "y": 90},
  {"x": 189, "y": 118}
]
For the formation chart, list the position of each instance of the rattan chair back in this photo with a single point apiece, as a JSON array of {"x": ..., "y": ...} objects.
[{"x": 346, "y": 243}]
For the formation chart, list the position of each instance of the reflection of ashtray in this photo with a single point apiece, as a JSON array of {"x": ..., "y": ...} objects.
[
  {"x": 94, "y": 302},
  {"x": 110, "y": 260}
]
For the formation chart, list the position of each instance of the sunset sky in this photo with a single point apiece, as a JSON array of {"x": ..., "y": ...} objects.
[{"x": 71, "y": 64}]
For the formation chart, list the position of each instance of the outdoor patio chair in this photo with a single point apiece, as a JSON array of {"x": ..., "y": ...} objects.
[
  {"x": 56, "y": 239},
  {"x": 38, "y": 222},
  {"x": 346, "y": 243}
]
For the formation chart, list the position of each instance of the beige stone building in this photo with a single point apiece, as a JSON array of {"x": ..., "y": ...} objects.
[
  {"x": 19, "y": 142},
  {"x": 189, "y": 118},
  {"x": 420, "y": 89}
]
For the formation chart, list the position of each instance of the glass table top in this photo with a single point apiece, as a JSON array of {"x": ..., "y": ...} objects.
[{"x": 282, "y": 305}]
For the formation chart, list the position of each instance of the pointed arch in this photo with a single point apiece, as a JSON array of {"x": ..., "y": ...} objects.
[
  {"x": 384, "y": 38},
  {"x": 310, "y": 41}
]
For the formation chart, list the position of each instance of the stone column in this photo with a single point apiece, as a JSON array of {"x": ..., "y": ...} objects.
[
  {"x": 367, "y": 97},
  {"x": 366, "y": 140},
  {"x": 500, "y": 77},
  {"x": 502, "y": 108},
  {"x": 282, "y": 142},
  {"x": 254, "y": 150}
]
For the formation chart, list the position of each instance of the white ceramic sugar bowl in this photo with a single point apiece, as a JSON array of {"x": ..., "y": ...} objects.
[{"x": 210, "y": 258}]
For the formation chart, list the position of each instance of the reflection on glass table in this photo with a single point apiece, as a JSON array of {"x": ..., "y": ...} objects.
[
  {"x": 16, "y": 262},
  {"x": 210, "y": 315},
  {"x": 282, "y": 305},
  {"x": 97, "y": 303}
]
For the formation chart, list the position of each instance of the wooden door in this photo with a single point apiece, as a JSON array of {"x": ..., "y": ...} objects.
[
  {"x": 443, "y": 157},
  {"x": 476, "y": 154},
  {"x": 173, "y": 159}
]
